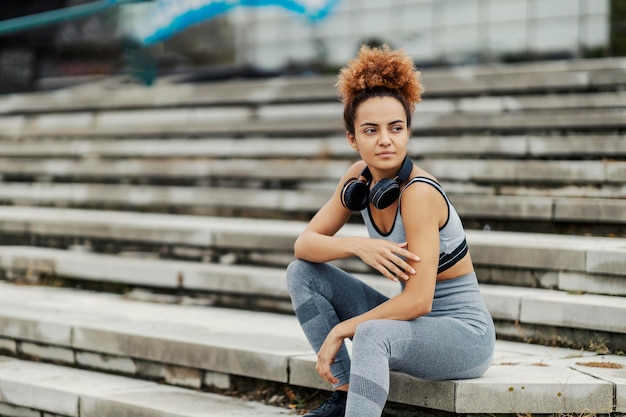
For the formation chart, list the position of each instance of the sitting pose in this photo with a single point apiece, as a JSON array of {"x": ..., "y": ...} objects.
[{"x": 437, "y": 327}]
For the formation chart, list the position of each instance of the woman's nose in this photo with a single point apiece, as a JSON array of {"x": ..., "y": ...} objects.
[{"x": 384, "y": 139}]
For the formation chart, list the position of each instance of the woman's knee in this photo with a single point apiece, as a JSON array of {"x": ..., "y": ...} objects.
[
  {"x": 299, "y": 272},
  {"x": 372, "y": 332}
]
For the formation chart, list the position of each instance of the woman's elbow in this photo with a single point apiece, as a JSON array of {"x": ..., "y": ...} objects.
[
  {"x": 298, "y": 248},
  {"x": 426, "y": 309},
  {"x": 419, "y": 309}
]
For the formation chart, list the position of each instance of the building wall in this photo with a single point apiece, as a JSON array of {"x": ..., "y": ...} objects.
[{"x": 432, "y": 31}]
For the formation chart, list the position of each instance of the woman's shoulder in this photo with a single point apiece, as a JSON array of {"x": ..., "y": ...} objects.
[
  {"x": 420, "y": 173},
  {"x": 357, "y": 167},
  {"x": 421, "y": 182},
  {"x": 421, "y": 188},
  {"x": 353, "y": 171}
]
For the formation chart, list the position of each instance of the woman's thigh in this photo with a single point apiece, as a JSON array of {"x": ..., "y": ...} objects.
[
  {"x": 348, "y": 295},
  {"x": 436, "y": 348}
]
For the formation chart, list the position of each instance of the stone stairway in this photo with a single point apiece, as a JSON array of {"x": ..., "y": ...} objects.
[
  {"x": 586, "y": 314},
  {"x": 198, "y": 347},
  {"x": 535, "y": 146},
  {"x": 34, "y": 389},
  {"x": 174, "y": 209}
]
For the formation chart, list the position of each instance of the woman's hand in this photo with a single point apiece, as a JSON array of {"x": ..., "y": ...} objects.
[
  {"x": 385, "y": 257},
  {"x": 326, "y": 356}
]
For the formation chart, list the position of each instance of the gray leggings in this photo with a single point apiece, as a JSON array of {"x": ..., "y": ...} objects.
[{"x": 455, "y": 341}]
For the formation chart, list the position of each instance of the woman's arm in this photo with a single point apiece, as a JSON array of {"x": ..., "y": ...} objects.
[
  {"x": 423, "y": 209},
  {"x": 318, "y": 243}
]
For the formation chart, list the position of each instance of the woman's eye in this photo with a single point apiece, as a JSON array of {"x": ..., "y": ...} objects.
[
  {"x": 396, "y": 128},
  {"x": 370, "y": 130}
]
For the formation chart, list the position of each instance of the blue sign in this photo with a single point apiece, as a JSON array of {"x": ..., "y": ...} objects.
[{"x": 167, "y": 17}]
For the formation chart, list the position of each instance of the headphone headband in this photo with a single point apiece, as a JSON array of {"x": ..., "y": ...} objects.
[
  {"x": 402, "y": 175},
  {"x": 405, "y": 171}
]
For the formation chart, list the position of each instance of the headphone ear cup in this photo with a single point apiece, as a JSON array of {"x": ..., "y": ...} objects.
[
  {"x": 384, "y": 193},
  {"x": 354, "y": 195}
]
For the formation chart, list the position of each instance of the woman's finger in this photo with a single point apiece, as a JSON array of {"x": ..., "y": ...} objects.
[
  {"x": 385, "y": 272},
  {"x": 406, "y": 253},
  {"x": 329, "y": 377},
  {"x": 395, "y": 270},
  {"x": 408, "y": 268},
  {"x": 324, "y": 371},
  {"x": 401, "y": 267}
]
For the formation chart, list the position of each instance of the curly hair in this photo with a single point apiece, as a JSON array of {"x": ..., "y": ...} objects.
[{"x": 378, "y": 72}]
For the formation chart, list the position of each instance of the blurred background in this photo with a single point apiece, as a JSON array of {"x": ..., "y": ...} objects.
[
  {"x": 219, "y": 39},
  {"x": 171, "y": 151}
]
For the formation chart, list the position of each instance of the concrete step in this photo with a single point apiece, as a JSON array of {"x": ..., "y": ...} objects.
[
  {"x": 535, "y": 314},
  {"x": 179, "y": 147},
  {"x": 192, "y": 346},
  {"x": 265, "y": 287},
  {"x": 115, "y": 92},
  {"x": 29, "y": 388},
  {"x": 151, "y": 197},
  {"x": 486, "y": 171},
  {"x": 542, "y": 172},
  {"x": 293, "y": 170},
  {"x": 513, "y": 146},
  {"x": 479, "y": 203},
  {"x": 565, "y": 75},
  {"x": 27, "y": 262},
  {"x": 542, "y": 252},
  {"x": 306, "y": 119}
]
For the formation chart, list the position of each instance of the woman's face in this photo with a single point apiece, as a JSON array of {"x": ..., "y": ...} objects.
[{"x": 381, "y": 134}]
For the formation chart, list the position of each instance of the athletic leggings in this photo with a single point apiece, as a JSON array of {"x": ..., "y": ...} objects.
[{"x": 455, "y": 341}]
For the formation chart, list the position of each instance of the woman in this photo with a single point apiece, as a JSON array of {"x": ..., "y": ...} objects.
[{"x": 437, "y": 327}]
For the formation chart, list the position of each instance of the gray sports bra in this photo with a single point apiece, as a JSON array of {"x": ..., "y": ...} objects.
[{"x": 452, "y": 242}]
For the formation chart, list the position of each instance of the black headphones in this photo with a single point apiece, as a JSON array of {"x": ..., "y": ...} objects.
[{"x": 356, "y": 194}]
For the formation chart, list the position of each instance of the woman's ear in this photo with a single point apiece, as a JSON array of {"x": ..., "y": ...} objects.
[{"x": 352, "y": 141}]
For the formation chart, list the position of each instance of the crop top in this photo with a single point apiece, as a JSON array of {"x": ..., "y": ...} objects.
[{"x": 452, "y": 240}]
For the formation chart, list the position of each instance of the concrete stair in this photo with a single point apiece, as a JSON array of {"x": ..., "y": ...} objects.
[
  {"x": 570, "y": 76},
  {"x": 535, "y": 146},
  {"x": 553, "y": 259},
  {"x": 31, "y": 389},
  {"x": 151, "y": 340},
  {"x": 263, "y": 288},
  {"x": 178, "y": 206},
  {"x": 191, "y": 346}
]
